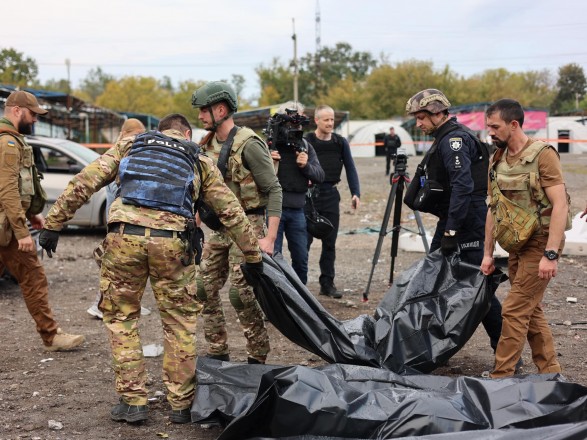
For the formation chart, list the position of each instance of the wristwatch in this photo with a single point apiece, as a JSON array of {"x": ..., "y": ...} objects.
[
  {"x": 450, "y": 233},
  {"x": 551, "y": 255}
]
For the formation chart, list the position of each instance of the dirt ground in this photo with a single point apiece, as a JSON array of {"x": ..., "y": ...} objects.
[{"x": 76, "y": 389}]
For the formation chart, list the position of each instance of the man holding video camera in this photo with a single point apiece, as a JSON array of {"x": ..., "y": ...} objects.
[
  {"x": 455, "y": 170},
  {"x": 298, "y": 165}
]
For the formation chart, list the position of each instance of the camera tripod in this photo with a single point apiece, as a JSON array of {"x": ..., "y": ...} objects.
[{"x": 397, "y": 180}]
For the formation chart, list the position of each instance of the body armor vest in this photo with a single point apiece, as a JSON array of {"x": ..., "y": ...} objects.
[
  {"x": 520, "y": 183},
  {"x": 238, "y": 177},
  {"x": 329, "y": 155},
  {"x": 435, "y": 169},
  {"x": 289, "y": 174},
  {"x": 26, "y": 187},
  {"x": 158, "y": 173}
]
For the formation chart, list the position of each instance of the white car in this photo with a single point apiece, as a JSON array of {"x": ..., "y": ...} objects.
[{"x": 59, "y": 160}]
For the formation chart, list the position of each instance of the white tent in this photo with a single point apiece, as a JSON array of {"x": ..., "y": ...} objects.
[{"x": 361, "y": 136}]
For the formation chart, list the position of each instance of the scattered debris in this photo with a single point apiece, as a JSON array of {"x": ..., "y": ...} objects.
[
  {"x": 55, "y": 425},
  {"x": 571, "y": 299},
  {"x": 152, "y": 350},
  {"x": 46, "y": 360}
]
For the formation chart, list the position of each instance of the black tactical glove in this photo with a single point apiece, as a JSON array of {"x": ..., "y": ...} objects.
[
  {"x": 449, "y": 245},
  {"x": 48, "y": 240},
  {"x": 252, "y": 272}
]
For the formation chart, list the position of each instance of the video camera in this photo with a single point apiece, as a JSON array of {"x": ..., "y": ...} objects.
[
  {"x": 284, "y": 129},
  {"x": 401, "y": 160}
]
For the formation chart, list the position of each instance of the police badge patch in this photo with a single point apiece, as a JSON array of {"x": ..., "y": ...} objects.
[{"x": 455, "y": 143}]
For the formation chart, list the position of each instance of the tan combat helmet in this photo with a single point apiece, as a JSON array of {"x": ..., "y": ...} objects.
[{"x": 430, "y": 100}]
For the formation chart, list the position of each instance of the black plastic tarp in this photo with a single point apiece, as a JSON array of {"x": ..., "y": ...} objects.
[
  {"x": 345, "y": 401},
  {"x": 429, "y": 313}
]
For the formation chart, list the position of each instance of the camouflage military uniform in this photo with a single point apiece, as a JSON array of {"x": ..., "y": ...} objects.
[
  {"x": 221, "y": 258},
  {"x": 129, "y": 260},
  {"x": 16, "y": 189}
]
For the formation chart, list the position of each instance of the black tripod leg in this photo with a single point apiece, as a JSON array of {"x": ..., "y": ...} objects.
[
  {"x": 382, "y": 234},
  {"x": 397, "y": 217},
  {"x": 422, "y": 231}
]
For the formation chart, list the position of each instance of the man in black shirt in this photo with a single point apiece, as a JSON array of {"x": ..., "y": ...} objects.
[
  {"x": 333, "y": 153},
  {"x": 391, "y": 142}
]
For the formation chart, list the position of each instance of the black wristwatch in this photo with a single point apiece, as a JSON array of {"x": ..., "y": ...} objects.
[{"x": 551, "y": 255}]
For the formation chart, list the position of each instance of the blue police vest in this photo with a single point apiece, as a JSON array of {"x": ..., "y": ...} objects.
[{"x": 158, "y": 173}]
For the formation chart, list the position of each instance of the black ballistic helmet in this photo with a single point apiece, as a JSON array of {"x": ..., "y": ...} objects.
[{"x": 318, "y": 226}]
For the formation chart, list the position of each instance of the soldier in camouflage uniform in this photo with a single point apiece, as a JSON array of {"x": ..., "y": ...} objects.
[
  {"x": 17, "y": 248},
  {"x": 145, "y": 241},
  {"x": 528, "y": 172},
  {"x": 248, "y": 171}
]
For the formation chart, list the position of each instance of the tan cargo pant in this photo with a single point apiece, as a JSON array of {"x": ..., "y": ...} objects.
[
  {"x": 30, "y": 274},
  {"x": 523, "y": 317}
]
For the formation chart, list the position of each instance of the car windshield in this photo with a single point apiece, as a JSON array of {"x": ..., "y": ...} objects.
[{"x": 84, "y": 152}]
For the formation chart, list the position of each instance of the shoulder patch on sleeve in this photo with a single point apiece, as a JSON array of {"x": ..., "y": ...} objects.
[{"x": 455, "y": 143}]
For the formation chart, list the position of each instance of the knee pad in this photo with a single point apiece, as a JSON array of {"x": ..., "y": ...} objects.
[
  {"x": 200, "y": 291},
  {"x": 235, "y": 299}
]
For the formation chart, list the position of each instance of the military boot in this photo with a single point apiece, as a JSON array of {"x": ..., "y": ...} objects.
[
  {"x": 64, "y": 341},
  {"x": 123, "y": 412},
  {"x": 329, "y": 289},
  {"x": 181, "y": 415}
]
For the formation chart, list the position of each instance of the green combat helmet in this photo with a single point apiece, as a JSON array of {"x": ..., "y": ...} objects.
[
  {"x": 430, "y": 100},
  {"x": 213, "y": 92}
]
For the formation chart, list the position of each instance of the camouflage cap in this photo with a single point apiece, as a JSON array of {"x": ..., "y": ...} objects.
[{"x": 430, "y": 100}]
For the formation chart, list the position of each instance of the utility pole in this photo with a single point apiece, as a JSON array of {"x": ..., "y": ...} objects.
[
  {"x": 68, "y": 65},
  {"x": 318, "y": 42},
  {"x": 295, "y": 61}
]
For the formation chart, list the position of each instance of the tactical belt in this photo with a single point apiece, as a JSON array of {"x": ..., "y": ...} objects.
[
  {"x": 258, "y": 211},
  {"x": 129, "y": 229}
]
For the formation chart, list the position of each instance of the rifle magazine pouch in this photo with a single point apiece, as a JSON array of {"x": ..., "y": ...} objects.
[{"x": 513, "y": 225}]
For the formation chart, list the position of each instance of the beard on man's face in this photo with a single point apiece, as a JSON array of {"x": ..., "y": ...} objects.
[
  {"x": 499, "y": 143},
  {"x": 25, "y": 127}
]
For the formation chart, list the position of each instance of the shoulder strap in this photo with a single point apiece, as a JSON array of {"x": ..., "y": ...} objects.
[
  {"x": 199, "y": 167},
  {"x": 225, "y": 151}
]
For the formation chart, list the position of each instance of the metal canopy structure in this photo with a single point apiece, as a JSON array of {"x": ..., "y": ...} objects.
[{"x": 70, "y": 117}]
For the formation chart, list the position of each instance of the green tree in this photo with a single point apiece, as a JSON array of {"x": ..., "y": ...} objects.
[
  {"x": 182, "y": 100},
  {"x": 276, "y": 83},
  {"x": 388, "y": 87},
  {"x": 317, "y": 73},
  {"x": 56, "y": 85},
  {"x": 347, "y": 94},
  {"x": 320, "y": 71},
  {"x": 571, "y": 87},
  {"x": 93, "y": 85},
  {"x": 138, "y": 94},
  {"x": 16, "y": 69}
]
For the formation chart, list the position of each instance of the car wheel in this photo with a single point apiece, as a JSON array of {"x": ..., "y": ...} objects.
[{"x": 103, "y": 215}]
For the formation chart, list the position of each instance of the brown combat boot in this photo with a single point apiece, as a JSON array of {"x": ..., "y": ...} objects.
[{"x": 64, "y": 341}]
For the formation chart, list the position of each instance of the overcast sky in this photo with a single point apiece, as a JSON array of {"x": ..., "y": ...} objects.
[{"x": 210, "y": 40}]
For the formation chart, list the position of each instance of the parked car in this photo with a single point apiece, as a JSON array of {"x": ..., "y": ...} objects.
[{"x": 59, "y": 160}]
